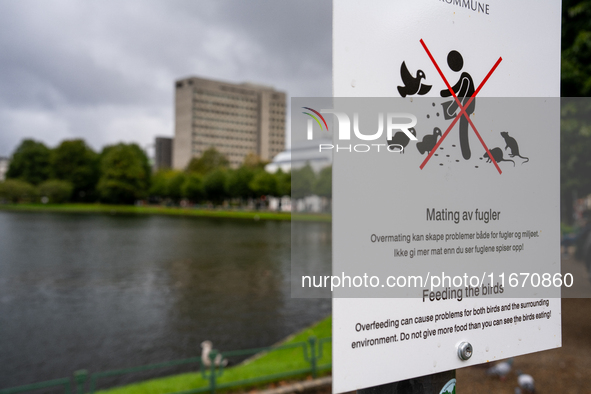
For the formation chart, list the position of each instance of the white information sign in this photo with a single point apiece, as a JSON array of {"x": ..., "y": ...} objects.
[{"x": 474, "y": 195}]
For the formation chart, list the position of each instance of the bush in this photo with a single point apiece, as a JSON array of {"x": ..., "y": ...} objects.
[
  {"x": 283, "y": 183},
  {"x": 192, "y": 188},
  {"x": 264, "y": 184},
  {"x": 211, "y": 160},
  {"x": 303, "y": 181},
  {"x": 168, "y": 184},
  {"x": 174, "y": 185},
  {"x": 237, "y": 182},
  {"x": 14, "y": 190},
  {"x": 323, "y": 186},
  {"x": 56, "y": 191},
  {"x": 215, "y": 186},
  {"x": 75, "y": 162},
  {"x": 30, "y": 162},
  {"x": 125, "y": 174},
  {"x": 158, "y": 187}
]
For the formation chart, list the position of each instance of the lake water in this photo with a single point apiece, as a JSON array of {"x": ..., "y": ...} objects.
[{"x": 101, "y": 292}]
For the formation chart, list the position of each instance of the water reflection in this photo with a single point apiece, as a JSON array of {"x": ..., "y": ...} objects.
[{"x": 102, "y": 292}]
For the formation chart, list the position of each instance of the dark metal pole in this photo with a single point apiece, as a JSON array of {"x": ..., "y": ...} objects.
[
  {"x": 212, "y": 371},
  {"x": 429, "y": 384},
  {"x": 80, "y": 377}
]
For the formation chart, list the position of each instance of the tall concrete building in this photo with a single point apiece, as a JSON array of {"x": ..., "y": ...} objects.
[
  {"x": 4, "y": 164},
  {"x": 236, "y": 119},
  {"x": 163, "y": 153}
]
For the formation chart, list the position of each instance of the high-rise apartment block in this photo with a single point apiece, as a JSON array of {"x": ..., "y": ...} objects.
[
  {"x": 163, "y": 153},
  {"x": 234, "y": 119},
  {"x": 4, "y": 164}
]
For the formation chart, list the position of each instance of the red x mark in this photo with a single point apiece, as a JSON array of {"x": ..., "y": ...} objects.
[{"x": 462, "y": 109}]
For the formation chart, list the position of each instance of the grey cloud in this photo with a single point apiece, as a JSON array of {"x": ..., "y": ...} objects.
[{"x": 65, "y": 60}]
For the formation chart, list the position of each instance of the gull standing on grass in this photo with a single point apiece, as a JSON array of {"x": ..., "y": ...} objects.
[{"x": 207, "y": 347}]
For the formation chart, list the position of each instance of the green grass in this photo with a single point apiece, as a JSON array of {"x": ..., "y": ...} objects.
[
  {"x": 274, "y": 362},
  {"x": 161, "y": 210}
]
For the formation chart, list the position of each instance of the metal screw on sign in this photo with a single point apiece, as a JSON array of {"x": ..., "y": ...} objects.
[{"x": 465, "y": 351}]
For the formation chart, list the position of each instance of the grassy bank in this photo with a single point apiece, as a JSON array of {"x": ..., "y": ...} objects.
[
  {"x": 274, "y": 362},
  {"x": 161, "y": 210}
]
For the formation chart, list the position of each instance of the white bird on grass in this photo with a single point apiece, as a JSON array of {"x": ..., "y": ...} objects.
[
  {"x": 207, "y": 347},
  {"x": 500, "y": 369}
]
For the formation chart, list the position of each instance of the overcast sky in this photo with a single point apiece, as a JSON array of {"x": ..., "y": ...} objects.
[{"x": 104, "y": 71}]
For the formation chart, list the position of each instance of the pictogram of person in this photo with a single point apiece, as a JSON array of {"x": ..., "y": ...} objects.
[{"x": 464, "y": 89}]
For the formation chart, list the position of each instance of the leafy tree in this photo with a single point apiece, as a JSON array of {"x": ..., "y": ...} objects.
[
  {"x": 30, "y": 162},
  {"x": 283, "y": 183},
  {"x": 323, "y": 186},
  {"x": 193, "y": 188},
  {"x": 576, "y": 48},
  {"x": 209, "y": 161},
  {"x": 174, "y": 184},
  {"x": 575, "y": 145},
  {"x": 57, "y": 191},
  {"x": 15, "y": 190},
  {"x": 125, "y": 174},
  {"x": 253, "y": 161},
  {"x": 214, "y": 185},
  {"x": 302, "y": 182},
  {"x": 575, "y": 135},
  {"x": 264, "y": 184},
  {"x": 237, "y": 182},
  {"x": 75, "y": 162},
  {"x": 168, "y": 184},
  {"x": 158, "y": 185}
]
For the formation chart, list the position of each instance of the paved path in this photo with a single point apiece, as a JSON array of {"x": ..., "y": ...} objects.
[{"x": 582, "y": 285}]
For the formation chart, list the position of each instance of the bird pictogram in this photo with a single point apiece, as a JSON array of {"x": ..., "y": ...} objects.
[{"x": 412, "y": 85}]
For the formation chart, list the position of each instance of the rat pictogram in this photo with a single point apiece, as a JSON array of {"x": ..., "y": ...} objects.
[
  {"x": 497, "y": 155},
  {"x": 512, "y": 144}
]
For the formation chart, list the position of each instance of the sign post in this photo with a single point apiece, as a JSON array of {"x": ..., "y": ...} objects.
[
  {"x": 431, "y": 384},
  {"x": 445, "y": 127}
]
